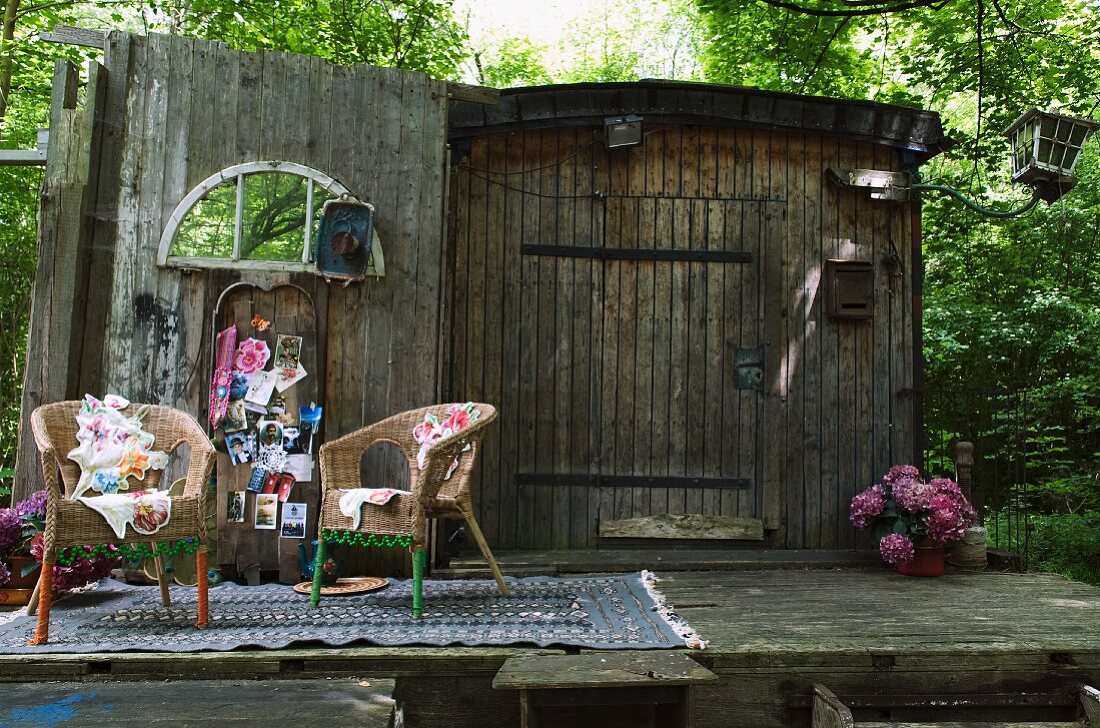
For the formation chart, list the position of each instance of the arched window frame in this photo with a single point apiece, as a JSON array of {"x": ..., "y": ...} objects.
[{"x": 236, "y": 174}]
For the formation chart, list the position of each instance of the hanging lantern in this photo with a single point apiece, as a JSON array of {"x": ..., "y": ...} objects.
[{"x": 1045, "y": 149}]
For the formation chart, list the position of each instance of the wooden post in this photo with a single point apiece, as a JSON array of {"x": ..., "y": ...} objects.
[
  {"x": 54, "y": 339},
  {"x": 964, "y": 466},
  {"x": 969, "y": 554},
  {"x": 829, "y": 712}
]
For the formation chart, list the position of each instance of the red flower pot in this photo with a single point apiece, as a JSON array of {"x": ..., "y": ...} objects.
[
  {"x": 18, "y": 581},
  {"x": 929, "y": 561}
]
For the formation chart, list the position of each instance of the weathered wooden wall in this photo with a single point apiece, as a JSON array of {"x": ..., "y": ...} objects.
[
  {"x": 178, "y": 110},
  {"x": 604, "y": 366}
]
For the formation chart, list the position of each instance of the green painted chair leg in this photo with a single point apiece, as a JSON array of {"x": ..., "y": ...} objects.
[
  {"x": 419, "y": 559},
  {"x": 318, "y": 572}
]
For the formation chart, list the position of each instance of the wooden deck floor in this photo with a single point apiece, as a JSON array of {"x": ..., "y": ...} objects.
[{"x": 980, "y": 644}]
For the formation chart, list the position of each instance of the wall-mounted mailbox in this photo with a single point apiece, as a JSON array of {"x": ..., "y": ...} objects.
[{"x": 849, "y": 288}]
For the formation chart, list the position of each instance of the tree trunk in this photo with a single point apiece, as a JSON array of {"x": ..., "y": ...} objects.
[{"x": 11, "y": 7}]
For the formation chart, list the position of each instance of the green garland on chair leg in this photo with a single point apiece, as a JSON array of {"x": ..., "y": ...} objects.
[
  {"x": 420, "y": 557},
  {"x": 318, "y": 562}
]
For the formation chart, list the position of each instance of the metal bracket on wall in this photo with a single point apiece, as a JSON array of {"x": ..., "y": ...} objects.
[{"x": 749, "y": 367}]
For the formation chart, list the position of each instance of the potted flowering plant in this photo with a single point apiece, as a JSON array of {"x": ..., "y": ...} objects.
[
  {"x": 21, "y": 550},
  {"x": 911, "y": 519}
]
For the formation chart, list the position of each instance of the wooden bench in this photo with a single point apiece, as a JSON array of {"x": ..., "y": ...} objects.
[{"x": 661, "y": 680}]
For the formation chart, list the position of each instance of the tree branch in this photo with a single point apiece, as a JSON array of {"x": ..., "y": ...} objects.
[{"x": 877, "y": 8}]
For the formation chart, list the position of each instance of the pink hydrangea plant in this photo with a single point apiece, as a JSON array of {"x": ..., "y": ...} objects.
[{"x": 904, "y": 510}]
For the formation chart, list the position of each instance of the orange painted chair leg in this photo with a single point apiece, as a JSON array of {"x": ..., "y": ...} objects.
[
  {"x": 45, "y": 597},
  {"x": 204, "y": 607}
]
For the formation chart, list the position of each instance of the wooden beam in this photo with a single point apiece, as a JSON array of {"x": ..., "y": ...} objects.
[
  {"x": 70, "y": 35},
  {"x": 829, "y": 712},
  {"x": 22, "y": 158},
  {"x": 689, "y": 526},
  {"x": 475, "y": 94}
]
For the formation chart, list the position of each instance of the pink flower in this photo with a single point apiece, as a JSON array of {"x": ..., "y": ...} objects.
[
  {"x": 457, "y": 420},
  {"x": 251, "y": 356},
  {"x": 911, "y": 494},
  {"x": 867, "y": 505},
  {"x": 899, "y": 472},
  {"x": 896, "y": 549}
]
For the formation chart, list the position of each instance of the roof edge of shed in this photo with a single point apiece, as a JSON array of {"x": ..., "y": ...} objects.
[{"x": 916, "y": 130}]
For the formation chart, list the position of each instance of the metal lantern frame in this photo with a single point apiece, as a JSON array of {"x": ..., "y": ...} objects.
[
  {"x": 1046, "y": 145},
  {"x": 1045, "y": 148}
]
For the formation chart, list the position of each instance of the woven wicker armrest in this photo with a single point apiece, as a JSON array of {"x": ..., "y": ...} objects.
[
  {"x": 440, "y": 456},
  {"x": 201, "y": 459}
]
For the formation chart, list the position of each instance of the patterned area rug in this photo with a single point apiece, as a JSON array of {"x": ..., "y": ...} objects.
[{"x": 621, "y": 611}]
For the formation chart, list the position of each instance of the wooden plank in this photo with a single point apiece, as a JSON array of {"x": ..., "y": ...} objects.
[
  {"x": 528, "y": 340},
  {"x": 798, "y": 301},
  {"x": 71, "y": 35},
  {"x": 642, "y": 176},
  {"x": 475, "y": 94},
  {"x": 583, "y": 364},
  {"x": 660, "y": 186},
  {"x": 120, "y": 347},
  {"x": 829, "y": 371},
  {"x": 367, "y": 702},
  {"x": 565, "y": 344},
  {"x": 829, "y": 712},
  {"x": 809, "y": 521},
  {"x": 727, "y": 221},
  {"x": 514, "y": 295},
  {"x": 488, "y": 497},
  {"x": 172, "y": 370},
  {"x": 688, "y": 526},
  {"x": 625, "y": 668},
  {"x": 776, "y": 411},
  {"x": 117, "y": 57},
  {"x": 718, "y": 359},
  {"x": 547, "y": 366},
  {"x": 696, "y": 353}
]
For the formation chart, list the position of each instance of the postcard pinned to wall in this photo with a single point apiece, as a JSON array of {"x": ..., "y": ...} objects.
[
  {"x": 294, "y": 520},
  {"x": 288, "y": 350},
  {"x": 300, "y": 466},
  {"x": 261, "y": 387},
  {"x": 284, "y": 378},
  {"x": 267, "y": 507},
  {"x": 235, "y": 417}
]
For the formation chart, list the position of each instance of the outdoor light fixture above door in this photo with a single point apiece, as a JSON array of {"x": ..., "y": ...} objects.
[
  {"x": 1045, "y": 149},
  {"x": 623, "y": 131}
]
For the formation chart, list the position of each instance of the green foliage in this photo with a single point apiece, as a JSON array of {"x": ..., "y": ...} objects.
[
  {"x": 754, "y": 44},
  {"x": 1066, "y": 544},
  {"x": 514, "y": 62},
  {"x": 419, "y": 35}
]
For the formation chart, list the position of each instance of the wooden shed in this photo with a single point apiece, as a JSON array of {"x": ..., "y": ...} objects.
[{"x": 695, "y": 337}]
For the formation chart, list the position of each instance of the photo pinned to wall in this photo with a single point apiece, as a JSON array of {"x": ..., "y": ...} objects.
[
  {"x": 294, "y": 520},
  {"x": 234, "y": 507},
  {"x": 277, "y": 406},
  {"x": 267, "y": 508},
  {"x": 238, "y": 388},
  {"x": 239, "y": 451},
  {"x": 236, "y": 419},
  {"x": 256, "y": 482},
  {"x": 270, "y": 433},
  {"x": 309, "y": 425},
  {"x": 292, "y": 440}
]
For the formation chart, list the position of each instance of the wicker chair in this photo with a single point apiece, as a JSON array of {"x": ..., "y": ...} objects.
[
  {"x": 70, "y": 523},
  {"x": 403, "y": 520}
]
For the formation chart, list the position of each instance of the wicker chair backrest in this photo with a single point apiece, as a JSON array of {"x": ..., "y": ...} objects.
[{"x": 54, "y": 426}]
